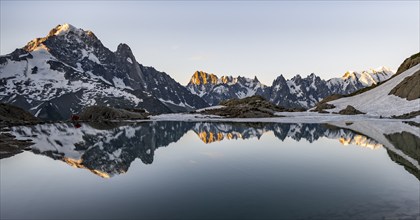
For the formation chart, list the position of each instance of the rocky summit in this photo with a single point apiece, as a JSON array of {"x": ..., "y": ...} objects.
[
  {"x": 297, "y": 92},
  {"x": 214, "y": 89},
  {"x": 59, "y": 75}
]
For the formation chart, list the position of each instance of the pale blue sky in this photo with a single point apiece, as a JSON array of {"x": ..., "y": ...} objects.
[{"x": 235, "y": 38}]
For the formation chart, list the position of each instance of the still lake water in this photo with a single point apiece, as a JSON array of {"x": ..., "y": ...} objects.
[{"x": 181, "y": 170}]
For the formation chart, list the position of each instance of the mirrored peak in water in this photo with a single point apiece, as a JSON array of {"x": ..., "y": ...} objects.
[
  {"x": 108, "y": 149},
  {"x": 212, "y": 132}
]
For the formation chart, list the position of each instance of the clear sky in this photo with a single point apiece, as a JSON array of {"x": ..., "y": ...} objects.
[{"x": 233, "y": 38}]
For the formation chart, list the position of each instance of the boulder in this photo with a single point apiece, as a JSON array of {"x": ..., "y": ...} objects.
[{"x": 350, "y": 110}]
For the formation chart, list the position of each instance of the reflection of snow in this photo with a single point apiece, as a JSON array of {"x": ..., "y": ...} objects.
[
  {"x": 379, "y": 129},
  {"x": 70, "y": 144},
  {"x": 291, "y": 117}
]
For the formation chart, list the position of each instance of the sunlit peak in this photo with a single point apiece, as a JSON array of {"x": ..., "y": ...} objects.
[{"x": 65, "y": 28}]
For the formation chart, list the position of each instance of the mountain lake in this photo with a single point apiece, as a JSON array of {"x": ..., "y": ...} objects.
[{"x": 213, "y": 170}]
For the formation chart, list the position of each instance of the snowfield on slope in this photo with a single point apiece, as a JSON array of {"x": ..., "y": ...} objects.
[{"x": 377, "y": 102}]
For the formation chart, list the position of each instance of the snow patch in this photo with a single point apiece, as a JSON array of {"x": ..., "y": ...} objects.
[
  {"x": 119, "y": 83},
  {"x": 66, "y": 28},
  {"x": 210, "y": 108}
]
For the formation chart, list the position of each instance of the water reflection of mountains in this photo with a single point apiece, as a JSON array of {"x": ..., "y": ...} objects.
[{"x": 109, "y": 149}]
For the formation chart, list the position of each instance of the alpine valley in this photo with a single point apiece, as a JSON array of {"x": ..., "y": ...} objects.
[{"x": 59, "y": 75}]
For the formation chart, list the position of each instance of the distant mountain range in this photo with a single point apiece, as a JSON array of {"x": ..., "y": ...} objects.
[
  {"x": 58, "y": 75},
  {"x": 297, "y": 92}
]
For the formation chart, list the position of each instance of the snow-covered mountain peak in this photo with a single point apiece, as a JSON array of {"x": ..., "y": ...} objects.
[
  {"x": 69, "y": 69},
  {"x": 65, "y": 32},
  {"x": 349, "y": 75},
  {"x": 66, "y": 28},
  {"x": 382, "y": 69},
  {"x": 63, "y": 29}
]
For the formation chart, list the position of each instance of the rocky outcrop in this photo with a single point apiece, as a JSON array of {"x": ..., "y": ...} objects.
[
  {"x": 101, "y": 113},
  {"x": 350, "y": 110},
  {"x": 408, "y": 63},
  {"x": 250, "y": 107},
  {"x": 409, "y": 88},
  {"x": 407, "y": 115}
]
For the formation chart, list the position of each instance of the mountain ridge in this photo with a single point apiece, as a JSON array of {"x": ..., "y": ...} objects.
[
  {"x": 69, "y": 69},
  {"x": 297, "y": 92}
]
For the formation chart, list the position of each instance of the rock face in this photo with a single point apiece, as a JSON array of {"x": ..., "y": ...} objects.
[
  {"x": 297, "y": 92},
  {"x": 69, "y": 69},
  {"x": 214, "y": 89},
  {"x": 101, "y": 113},
  {"x": 409, "y": 88},
  {"x": 408, "y": 63},
  {"x": 349, "y": 110}
]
